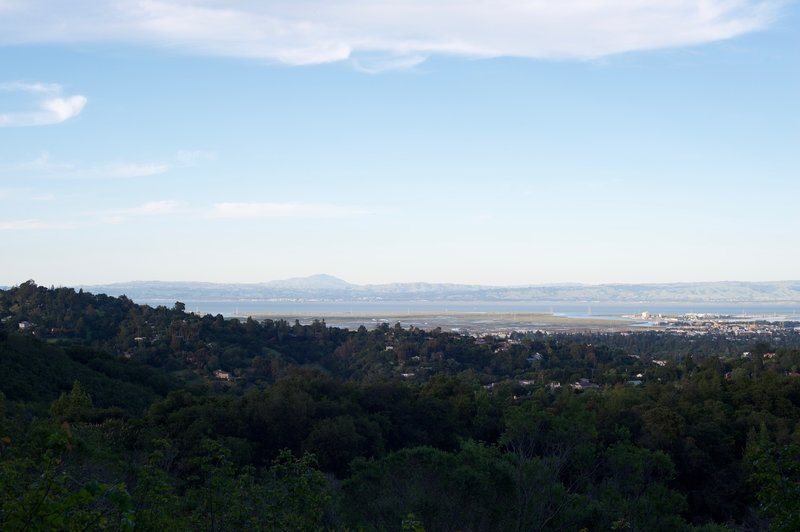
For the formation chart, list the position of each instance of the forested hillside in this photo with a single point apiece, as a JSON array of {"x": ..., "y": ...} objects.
[{"x": 120, "y": 416}]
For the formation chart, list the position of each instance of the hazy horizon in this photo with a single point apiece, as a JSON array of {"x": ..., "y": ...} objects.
[{"x": 355, "y": 283}]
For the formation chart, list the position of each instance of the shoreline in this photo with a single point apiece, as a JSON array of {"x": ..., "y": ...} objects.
[{"x": 466, "y": 322}]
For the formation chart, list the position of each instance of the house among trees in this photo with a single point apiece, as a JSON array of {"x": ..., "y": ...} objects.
[
  {"x": 222, "y": 375},
  {"x": 538, "y": 357},
  {"x": 585, "y": 384}
]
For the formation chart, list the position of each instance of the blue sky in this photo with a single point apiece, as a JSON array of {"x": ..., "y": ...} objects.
[{"x": 494, "y": 143}]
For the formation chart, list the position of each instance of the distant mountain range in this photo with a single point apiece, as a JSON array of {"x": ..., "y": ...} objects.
[{"x": 328, "y": 288}]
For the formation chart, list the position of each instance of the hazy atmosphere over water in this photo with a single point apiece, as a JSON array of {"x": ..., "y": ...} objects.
[{"x": 436, "y": 141}]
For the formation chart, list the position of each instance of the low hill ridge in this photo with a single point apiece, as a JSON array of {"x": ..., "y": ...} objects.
[{"x": 328, "y": 287}]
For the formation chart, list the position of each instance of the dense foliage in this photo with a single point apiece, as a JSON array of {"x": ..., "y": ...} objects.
[{"x": 112, "y": 417}]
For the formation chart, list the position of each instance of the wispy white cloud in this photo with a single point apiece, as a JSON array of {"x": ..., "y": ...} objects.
[
  {"x": 44, "y": 166},
  {"x": 16, "y": 225},
  {"x": 93, "y": 218},
  {"x": 34, "y": 223},
  {"x": 35, "y": 88},
  {"x": 403, "y": 32},
  {"x": 44, "y": 197},
  {"x": 128, "y": 170},
  {"x": 163, "y": 208},
  {"x": 192, "y": 157},
  {"x": 50, "y": 106},
  {"x": 61, "y": 109},
  {"x": 23, "y": 194},
  {"x": 151, "y": 208},
  {"x": 282, "y": 210}
]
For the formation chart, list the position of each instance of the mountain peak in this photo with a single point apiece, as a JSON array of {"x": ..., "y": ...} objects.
[{"x": 320, "y": 281}]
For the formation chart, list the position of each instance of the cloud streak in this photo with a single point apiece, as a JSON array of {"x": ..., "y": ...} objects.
[
  {"x": 44, "y": 167},
  {"x": 35, "y": 88},
  {"x": 94, "y": 218},
  {"x": 35, "y": 224},
  {"x": 51, "y": 107},
  {"x": 192, "y": 157},
  {"x": 389, "y": 35},
  {"x": 151, "y": 208},
  {"x": 281, "y": 210},
  {"x": 128, "y": 170}
]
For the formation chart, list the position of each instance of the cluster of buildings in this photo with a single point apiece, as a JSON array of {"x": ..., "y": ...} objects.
[{"x": 727, "y": 326}]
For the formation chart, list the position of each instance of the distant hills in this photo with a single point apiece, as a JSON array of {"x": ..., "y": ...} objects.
[
  {"x": 328, "y": 288},
  {"x": 314, "y": 282}
]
